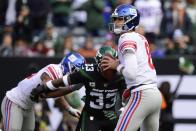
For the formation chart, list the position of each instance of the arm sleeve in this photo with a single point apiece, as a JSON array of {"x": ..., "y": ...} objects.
[{"x": 130, "y": 66}]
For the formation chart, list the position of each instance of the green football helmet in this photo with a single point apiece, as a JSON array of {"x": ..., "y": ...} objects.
[{"x": 103, "y": 51}]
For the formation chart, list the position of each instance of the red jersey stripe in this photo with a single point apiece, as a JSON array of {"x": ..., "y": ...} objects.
[
  {"x": 52, "y": 72},
  {"x": 125, "y": 44},
  {"x": 55, "y": 72}
]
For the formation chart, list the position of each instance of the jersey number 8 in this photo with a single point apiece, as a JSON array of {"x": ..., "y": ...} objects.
[{"x": 150, "y": 63}]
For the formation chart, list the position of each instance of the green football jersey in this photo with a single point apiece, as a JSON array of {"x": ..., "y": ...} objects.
[{"x": 101, "y": 94}]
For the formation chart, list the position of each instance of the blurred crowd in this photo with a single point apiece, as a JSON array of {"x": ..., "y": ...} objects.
[
  {"x": 50, "y": 28},
  {"x": 35, "y": 28}
]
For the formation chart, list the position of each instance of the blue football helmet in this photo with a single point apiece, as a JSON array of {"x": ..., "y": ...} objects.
[
  {"x": 129, "y": 14},
  {"x": 71, "y": 62}
]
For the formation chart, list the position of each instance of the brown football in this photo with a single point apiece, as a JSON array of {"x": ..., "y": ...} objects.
[{"x": 109, "y": 74}]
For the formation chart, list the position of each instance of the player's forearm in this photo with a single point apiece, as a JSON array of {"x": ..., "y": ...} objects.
[
  {"x": 57, "y": 93},
  {"x": 49, "y": 86},
  {"x": 64, "y": 82},
  {"x": 130, "y": 66},
  {"x": 55, "y": 84},
  {"x": 62, "y": 91},
  {"x": 62, "y": 103},
  {"x": 58, "y": 83}
]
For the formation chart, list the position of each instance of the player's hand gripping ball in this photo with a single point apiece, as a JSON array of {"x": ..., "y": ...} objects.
[{"x": 108, "y": 73}]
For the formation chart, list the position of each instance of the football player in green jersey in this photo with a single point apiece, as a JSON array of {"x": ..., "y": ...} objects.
[{"x": 102, "y": 91}]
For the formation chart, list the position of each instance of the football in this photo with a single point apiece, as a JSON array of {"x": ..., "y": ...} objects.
[{"x": 110, "y": 73}]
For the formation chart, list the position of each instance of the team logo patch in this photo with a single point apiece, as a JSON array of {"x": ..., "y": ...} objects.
[
  {"x": 133, "y": 12},
  {"x": 72, "y": 58},
  {"x": 92, "y": 84}
]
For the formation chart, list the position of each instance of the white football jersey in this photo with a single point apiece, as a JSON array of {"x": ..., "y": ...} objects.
[
  {"x": 145, "y": 73},
  {"x": 20, "y": 94}
]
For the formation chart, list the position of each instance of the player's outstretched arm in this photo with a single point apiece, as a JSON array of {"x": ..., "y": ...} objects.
[
  {"x": 56, "y": 93},
  {"x": 44, "y": 89},
  {"x": 57, "y": 83},
  {"x": 64, "y": 105},
  {"x": 62, "y": 91},
  {"x": 53, "y": 85}
]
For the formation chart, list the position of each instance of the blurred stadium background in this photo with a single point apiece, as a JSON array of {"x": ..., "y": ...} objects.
[{"x": 34, "y": 33}]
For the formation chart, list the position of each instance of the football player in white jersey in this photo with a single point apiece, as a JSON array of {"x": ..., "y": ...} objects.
[
  {"x": 135, "y": 64},
  {"x": 17, "y": 107}
]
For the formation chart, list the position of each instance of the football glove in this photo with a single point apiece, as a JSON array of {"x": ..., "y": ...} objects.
[
  {"x": 34, "y": 98},
  {"x": 36, "y": 92},
  {"x": 111, "y": 115}
]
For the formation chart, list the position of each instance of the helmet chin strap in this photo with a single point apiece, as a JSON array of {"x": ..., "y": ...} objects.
[{"x": 121, "y": 29}]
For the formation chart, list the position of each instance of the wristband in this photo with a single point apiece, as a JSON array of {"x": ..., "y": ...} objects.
[
  {"x": 50, "y": 85},
  {"x": 120, "y": 68},
  {"x": 65, "y": 81},
  {"x": 68, "y": 109}
]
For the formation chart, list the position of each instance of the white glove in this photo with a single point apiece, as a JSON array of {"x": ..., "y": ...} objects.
[
  {"x": 122, "y": 109},
  {"x": 74, "y": 112}
]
